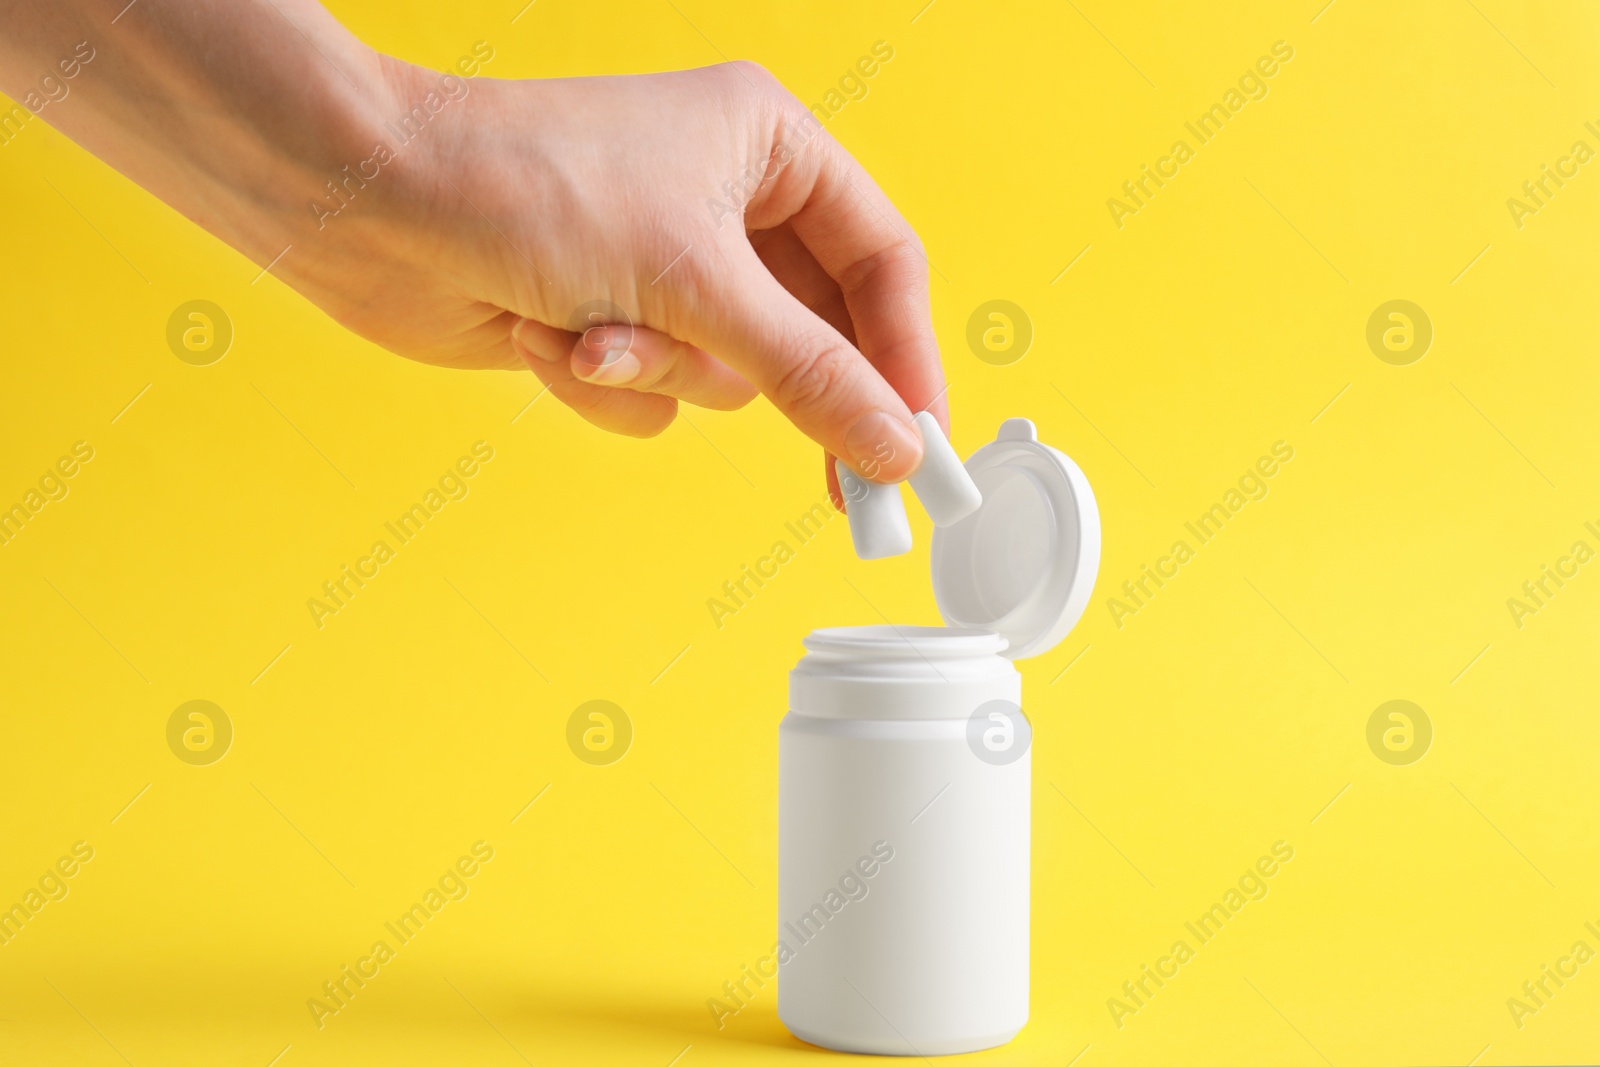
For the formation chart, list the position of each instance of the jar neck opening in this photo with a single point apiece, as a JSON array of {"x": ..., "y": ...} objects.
[{"x": 934, "y": 643}]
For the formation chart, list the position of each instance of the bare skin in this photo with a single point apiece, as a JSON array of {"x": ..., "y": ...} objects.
[{"x": 465, "y": 222}]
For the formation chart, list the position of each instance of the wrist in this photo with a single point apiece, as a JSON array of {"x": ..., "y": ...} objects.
[
  {"x": 304, "y": 149},
  {"x": 331, "y": 187},
  {"x": 368, "y": 192},
  {"x": 412, "y": 179}
]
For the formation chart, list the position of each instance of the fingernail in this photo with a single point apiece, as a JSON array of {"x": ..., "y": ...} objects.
[
  {"x": 614, "y": 366},
  {"x": 520, "y": 335},
  {"x": 883, "y": 448}
]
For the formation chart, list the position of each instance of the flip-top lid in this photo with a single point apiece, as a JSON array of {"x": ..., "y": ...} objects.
[{"x": 1024, "y": 564}]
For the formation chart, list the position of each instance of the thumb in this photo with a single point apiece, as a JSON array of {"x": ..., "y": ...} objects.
[{"x": 809, "y": 371}]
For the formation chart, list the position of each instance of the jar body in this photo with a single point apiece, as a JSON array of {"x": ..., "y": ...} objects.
[{"x": 903, "y": 854}]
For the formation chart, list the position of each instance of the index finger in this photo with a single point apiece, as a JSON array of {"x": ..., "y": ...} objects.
[{"x": 866, "y": 246}]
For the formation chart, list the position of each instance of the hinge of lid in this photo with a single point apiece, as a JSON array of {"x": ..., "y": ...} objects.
[{"x": 1017, "y": 430}]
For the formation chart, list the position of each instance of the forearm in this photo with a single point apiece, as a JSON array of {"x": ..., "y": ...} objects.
[{"x": 235, "y": 112}]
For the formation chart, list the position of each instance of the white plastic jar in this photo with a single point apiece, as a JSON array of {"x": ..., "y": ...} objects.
[{"x": 904, "y": 780}]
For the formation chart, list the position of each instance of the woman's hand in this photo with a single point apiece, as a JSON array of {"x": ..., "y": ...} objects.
[
  {"x": 689, "y": 236},
  {"x": 635, "y": 240}
]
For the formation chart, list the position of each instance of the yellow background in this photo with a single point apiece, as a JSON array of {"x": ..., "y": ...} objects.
[{"x": 427, "y": 714}]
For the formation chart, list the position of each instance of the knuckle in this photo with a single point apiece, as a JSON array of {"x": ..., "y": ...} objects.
[
  {"x": 655, "y": 423},
  {"x": 732, "y": 400},
  {"x": 901, "y": 265},
  {"x": 742, "y": 396},
  {"x": 585, "y": 401},
  {"x": 665, "y": 369},
  {"x": 752, "y": 72},
  {"x": 918, "y": 251},
  {"x": 614, "y": 412},
  {"x": 811, "y": 383},
  {"x": 673, "y": 380}
]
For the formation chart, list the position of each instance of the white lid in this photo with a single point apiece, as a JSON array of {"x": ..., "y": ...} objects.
[{"x": 1024, "y": 564}]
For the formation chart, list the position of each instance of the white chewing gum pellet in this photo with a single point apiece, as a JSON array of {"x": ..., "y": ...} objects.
[
  {"x": 878, "y": 525},
  {"x": 942, "y": 483}
]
